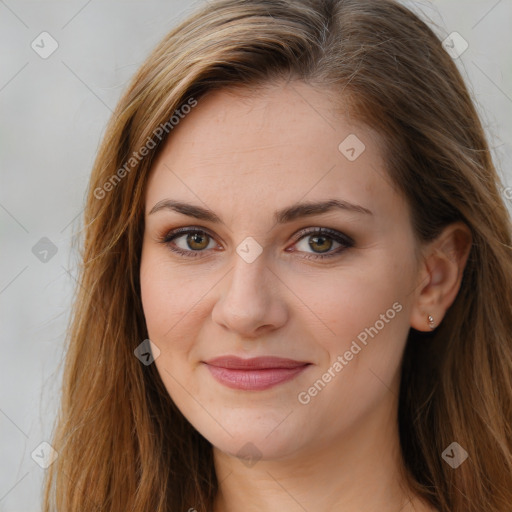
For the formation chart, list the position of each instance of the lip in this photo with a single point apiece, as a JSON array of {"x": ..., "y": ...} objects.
[{"x": 254, "y": 374}]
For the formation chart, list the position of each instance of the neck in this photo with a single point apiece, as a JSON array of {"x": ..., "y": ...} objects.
[{"x": 361, "y": 472}]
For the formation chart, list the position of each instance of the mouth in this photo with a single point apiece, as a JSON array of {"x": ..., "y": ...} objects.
[{"x": 255, "y": 374}]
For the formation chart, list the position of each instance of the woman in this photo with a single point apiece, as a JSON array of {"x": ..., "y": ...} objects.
[{"x": 295, "y": 202}]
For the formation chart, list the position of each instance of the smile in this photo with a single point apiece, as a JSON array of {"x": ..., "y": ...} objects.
[{"x": 256, "y": 374}]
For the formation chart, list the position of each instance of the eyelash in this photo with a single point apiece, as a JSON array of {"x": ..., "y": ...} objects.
[{"x": 345, "y": 241}]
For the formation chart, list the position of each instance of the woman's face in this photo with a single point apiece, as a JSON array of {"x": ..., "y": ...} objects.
[{"x": 253, "y": 278}]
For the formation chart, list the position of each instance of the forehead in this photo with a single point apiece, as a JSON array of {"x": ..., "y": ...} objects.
[{"x": 238, "y": 150}]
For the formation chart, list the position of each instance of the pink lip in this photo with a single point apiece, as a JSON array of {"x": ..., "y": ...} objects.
[{"x": 254, "y": 374}]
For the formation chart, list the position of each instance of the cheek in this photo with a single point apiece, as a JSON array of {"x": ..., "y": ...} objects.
[
  {"x": 367, "y": 312},
  {"x": 173, "y": 304},
  {"x": 167, "y": 296},
  {"x": 344, "y": 303},
  {"x": 168, "y": 309},
  {"x": 159, "y": 301}
]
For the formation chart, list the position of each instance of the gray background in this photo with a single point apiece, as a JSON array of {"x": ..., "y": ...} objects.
[{"x": 53, "y": 115}]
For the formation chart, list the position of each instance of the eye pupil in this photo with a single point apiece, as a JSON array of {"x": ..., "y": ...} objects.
[
  {"x": 197, "y": 238},
  {"x": 320, "y": 240}
]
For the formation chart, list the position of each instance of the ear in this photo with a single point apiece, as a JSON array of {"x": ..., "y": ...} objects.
[{"x": 440, "y": 275}]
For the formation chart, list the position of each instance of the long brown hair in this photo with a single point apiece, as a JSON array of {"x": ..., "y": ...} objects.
[{"x": 122, "y": 443}]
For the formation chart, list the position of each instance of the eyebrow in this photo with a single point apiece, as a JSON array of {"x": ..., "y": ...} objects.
[{"x": 282, "y": 216}]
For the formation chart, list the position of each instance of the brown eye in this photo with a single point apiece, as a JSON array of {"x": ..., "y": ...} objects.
[
  {"x": 188, "y": 242},
  {"x": 197, "y": 241},
  {"x": 314, "y": 243},
  {"x": 320, "y": 243}
]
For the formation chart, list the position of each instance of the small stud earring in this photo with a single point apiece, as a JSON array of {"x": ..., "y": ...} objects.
[{"x": 431, "y": 323}]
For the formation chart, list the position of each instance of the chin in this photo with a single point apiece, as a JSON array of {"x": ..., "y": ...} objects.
[
  {"x": 250, "y": 448},
  {"x": 252, "y": 440}
]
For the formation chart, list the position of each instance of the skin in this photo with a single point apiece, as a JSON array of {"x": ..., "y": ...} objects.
[{"x": 243, "y": 156}]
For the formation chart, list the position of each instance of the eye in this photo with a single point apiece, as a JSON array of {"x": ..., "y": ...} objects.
[
  {"x": 321, "y": 241},
  {"x": 188, "y": 242},
  {"x": 192, "y": 242}
]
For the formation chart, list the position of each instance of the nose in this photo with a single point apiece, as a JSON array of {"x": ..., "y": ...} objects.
[{"x": 250, "y": 304}]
